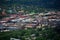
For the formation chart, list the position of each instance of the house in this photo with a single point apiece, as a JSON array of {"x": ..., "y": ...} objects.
[
  {"x": 3, "y": 22},
  {"x": 28, "y": 26},
  {"x": 3, "y": 12},
  {"x": 6, "y": 19},
  {"x": 28, "y": 20},
  {"x": 13, "y": 15},
  {"x": 2, "y": 28},
  {"x": 31, "y": 25}
]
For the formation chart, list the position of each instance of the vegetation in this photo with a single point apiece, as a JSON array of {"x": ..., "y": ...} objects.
[{"x": 33, "y": 34}]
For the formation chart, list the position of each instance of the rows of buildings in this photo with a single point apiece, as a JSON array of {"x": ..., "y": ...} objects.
[{"x": 33, "y": 20}]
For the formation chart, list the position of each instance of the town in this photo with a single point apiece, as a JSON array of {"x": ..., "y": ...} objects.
[
  {"x": 20, "y": 20},
  {"x": 30, "y": 26},
  {"x": 29, "y": 19}
]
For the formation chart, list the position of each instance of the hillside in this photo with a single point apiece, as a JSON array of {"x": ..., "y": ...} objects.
[{"x": 42, "y": 3}]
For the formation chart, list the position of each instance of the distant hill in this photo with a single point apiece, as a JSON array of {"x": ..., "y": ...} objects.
[{"x": 42, "y": 3}]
